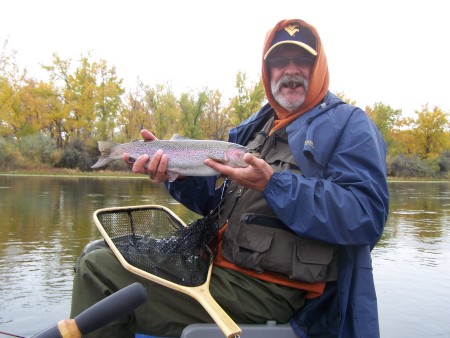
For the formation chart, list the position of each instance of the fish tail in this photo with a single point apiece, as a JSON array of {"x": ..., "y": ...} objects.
[{"x": 106, "y": 148}]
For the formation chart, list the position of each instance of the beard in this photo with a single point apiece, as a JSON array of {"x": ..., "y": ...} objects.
[{"x": 289, "y": 81}]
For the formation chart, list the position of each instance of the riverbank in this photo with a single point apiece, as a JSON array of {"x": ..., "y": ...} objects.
[
  {"x": 72, "y": 173},
  {"x": 128, "y": 174}
]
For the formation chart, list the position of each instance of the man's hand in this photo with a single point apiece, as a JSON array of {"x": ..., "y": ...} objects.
[
  {"x": 156, "y": 168},
  {"x": 255, "y": 176}
]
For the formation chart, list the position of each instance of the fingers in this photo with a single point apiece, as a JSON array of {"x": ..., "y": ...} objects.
[
  {"x": 140, "y": 165},
  {"x": 128, "y": 160},
  {"x": 157, "y": 168},
  {"x": 255, "y": 176},
  {"x": 147, "y": 135},
  {"x": 250, "y": 159},
  {"x": 220, "y": 168}
]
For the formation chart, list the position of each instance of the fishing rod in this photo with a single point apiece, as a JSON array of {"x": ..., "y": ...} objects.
[
  {"x": 98, "y": 315},
  {"x": 10, "y": 334}
]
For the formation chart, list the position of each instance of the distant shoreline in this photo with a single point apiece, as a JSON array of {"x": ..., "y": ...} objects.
[
  {"x": 74, "y": 173},
  {"x": 130, "y": 175}
]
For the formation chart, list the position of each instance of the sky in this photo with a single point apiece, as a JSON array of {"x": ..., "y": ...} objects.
[{"x": 391, "y": 51}]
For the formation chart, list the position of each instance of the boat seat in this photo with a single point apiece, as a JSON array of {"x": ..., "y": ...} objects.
[{"x": 270, "y": 329}]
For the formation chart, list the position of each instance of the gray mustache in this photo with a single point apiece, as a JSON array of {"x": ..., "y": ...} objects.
[{"x": 290, "y": 81}]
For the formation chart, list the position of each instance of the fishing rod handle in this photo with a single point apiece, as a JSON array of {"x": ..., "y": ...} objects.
[{"x": 100, "y": 314}]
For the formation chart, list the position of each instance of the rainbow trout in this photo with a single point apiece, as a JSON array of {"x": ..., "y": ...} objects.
[{"x": 186, "y": 156}]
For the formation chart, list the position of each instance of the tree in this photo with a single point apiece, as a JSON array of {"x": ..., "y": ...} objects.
[
  {"x": 10, "y": 84},
  {"x": 386, "y": 119},
  {"x": 90, "y": 96},
  {"x": 108, "y": 100},
  {"x": 8, "y": 66},
  {"x": 215, "y": 122},
  {"x": 192, "y": 108},
  {"x": 430, "y": 132},
  {"x": 344, "y": 98},
  {"x": 247, "y": 101},
  {"x": 134, "y": 116},
  {"x": 39, "y": 108},
  {"x": 8, "y": 113},
  {"x": 167, "y": 112}
]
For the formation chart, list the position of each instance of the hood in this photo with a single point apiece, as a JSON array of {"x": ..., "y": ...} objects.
[{"x": 318, "y": 82}]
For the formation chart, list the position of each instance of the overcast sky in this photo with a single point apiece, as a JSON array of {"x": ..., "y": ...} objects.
[{"x": 391, "y": 51}]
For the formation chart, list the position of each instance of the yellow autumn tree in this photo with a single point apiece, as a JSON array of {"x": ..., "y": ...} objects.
[
  {"x": 90, "y": 95},
  {"x": 430, "y": 132}
]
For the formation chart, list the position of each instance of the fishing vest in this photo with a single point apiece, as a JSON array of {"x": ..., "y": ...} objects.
[{"x": 256, "y": 239}]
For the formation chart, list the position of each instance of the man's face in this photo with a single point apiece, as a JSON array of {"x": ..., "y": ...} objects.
[{"x": 290, "y": 69}]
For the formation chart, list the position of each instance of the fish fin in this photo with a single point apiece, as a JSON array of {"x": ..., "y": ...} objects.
[
  {"x": 105, "y": 147},
  {"x": 220, "y": 180},
  {"x": 102, "y": 161},
  {"x": 172, "y": 175},
  {"x": 178, "y": 137}
]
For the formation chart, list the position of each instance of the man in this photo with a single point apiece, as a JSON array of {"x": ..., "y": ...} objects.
[{"x": 298, "y": 223}]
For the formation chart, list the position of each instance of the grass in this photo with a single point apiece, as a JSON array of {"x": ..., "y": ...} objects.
[{"x": 71, "y": 172}]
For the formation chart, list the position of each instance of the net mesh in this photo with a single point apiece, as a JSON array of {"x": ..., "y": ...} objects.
[{"x": 155, "y": 241}]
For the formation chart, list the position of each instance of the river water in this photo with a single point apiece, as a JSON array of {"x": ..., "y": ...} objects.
[{"x": 46, "y": 221}]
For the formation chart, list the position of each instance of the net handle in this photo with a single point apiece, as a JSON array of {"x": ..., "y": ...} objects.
[{"x": 200, "y": 293}]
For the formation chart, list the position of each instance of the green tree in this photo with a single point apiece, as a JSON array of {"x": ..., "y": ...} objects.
[
  {"x": 167, "y": 112},
  {"x": 215, "y": 122},
  {"x": 153, "y": 108},
  {"x": 247, "y": 101},
  {"x": 386, "y": 119},
  {"x": 134, "y": 116},
  {"x": 109, "y": 93},
  {"x": 192, "y": 108}
]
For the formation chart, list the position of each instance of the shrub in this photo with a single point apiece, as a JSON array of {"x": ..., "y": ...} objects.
[
  {"x": 76, "y": 154},
  {"x": 37, "y": 148},
  {"x": 8, "y": 155},
  {"x": 444, "y": 162},
  {"x": 403, "y": 166}
]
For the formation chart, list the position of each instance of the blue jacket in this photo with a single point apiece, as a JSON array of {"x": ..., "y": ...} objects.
[{"x": 341, "y": 198}]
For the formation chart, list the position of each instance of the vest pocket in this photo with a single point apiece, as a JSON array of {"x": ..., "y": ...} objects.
[
  {"x": 263, "y": 243},
  {"x": 253, "y": 243},
  {"x": 313, "y": 261}
]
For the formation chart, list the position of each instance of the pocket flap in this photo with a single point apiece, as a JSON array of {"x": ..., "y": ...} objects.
[
  {"x": 253, "y": 238},
  {"x": 314, "y": 252}
]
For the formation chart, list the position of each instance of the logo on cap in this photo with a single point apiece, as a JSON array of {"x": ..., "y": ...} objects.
[
  {"x": 294, "y": 34},
  {"x": 292, "y": 29}
]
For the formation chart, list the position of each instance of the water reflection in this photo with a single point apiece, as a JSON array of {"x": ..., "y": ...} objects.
[
  {"x": 46, "y": 221},
  {"x": 411, "y": 262},
  {"x": 419, "y": 216}
]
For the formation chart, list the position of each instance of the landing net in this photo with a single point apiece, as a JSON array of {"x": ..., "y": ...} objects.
[{"x": 155, "y": 240}]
